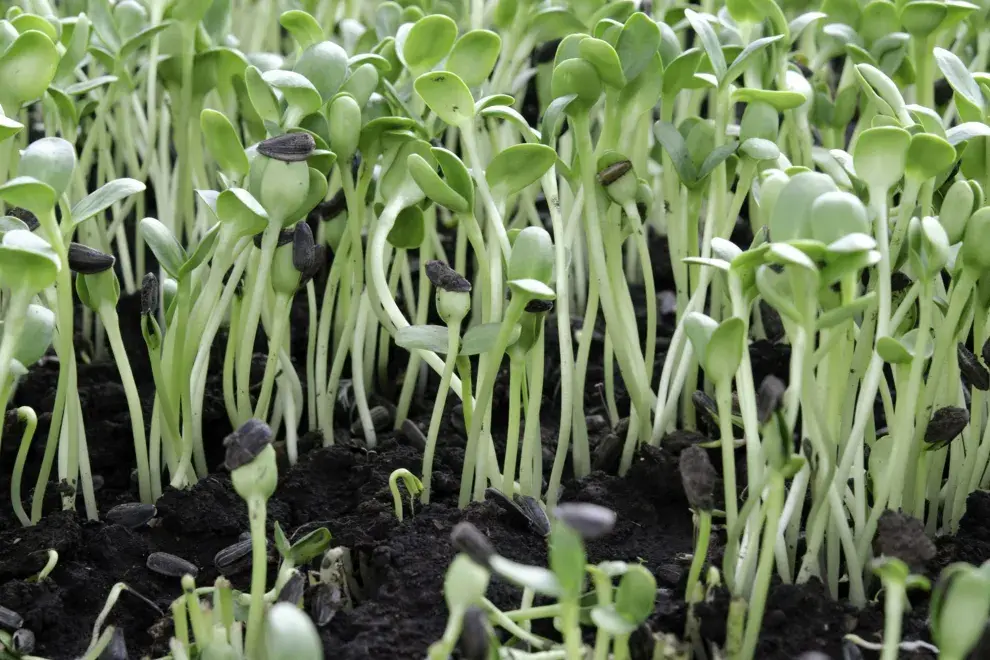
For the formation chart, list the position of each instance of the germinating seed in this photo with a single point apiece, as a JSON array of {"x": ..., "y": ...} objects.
[
  {"x": 23, "y": 641},
  {"x": 972, "y": 369},
  {"x": 131, "y": 515},
  {"x": 9, "y": 619},
  {"x": 164, "y": 563}
]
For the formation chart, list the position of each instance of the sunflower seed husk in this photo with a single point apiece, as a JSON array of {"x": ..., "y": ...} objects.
[
  {"x": 165, "y": 564},
  {"x": 292, "y": 591},
  {"x": 535, "y": 515},
  {"x": 850, "y": 651},
  {"x": 773, "y": 326},
  {"x": 945, "y": 426},
  {"x": 131, "y": 515},
  {"x": 234, "y": 558},
  {"x": 608, "y": 453},
  {"x": 506, "y": 504},
  {"x": 475, "y": 637},
  {"x": 288, "y": 148},
  {"x": 381, "y": 419},
  {"x": 614, "y": 172},
  {"x": 303, "y": 246},
  {"x": 25, "y": 216},
  {"x": 23, "y": 641},
  {"x": 545, "y": 52},
  {"x": 318, "y": 260},
  {"x": 698, "y": 478},
  {"x": 702, "y": 401},
  {"x": 326, "y": 601},
  {"x": 471, "y": 541},
  {"x": 87, "y": 261},
  {"x": 590, "y": 521},
  {"x": 117, "y": 649},
  {"x": 244, "y": 444},
  {"x": 284, "y": 238},
  {"x": 333, "y": 207},
  {"x": 970, "y": 366},
  {"x": 903, "y": 536},
  {"x": 769, "y": 398},
  {"x": 539, "y": 306},
  {"x": 442, "y": 276},
  {"x": 9, "y": 619},
  {"x": 412, "y": 433},
  {"x": 149, "y": 294}
]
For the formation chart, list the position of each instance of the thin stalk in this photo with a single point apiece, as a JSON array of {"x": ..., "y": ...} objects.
[
  {"x": 453, "y": 346},
  {"x": 516, "y": 375},
  {"x": 109, "y": 315}
]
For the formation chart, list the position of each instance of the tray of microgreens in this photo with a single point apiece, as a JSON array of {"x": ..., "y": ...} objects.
[{"x": 494, "y": 330}]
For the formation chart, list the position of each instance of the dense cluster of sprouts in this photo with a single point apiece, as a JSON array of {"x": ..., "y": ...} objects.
[{"x": 461, "y": 179}]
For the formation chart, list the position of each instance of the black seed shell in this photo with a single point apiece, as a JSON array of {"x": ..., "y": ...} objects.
[
  {"x": 288, "y": 148},
  {"x": 87, "y": 261},
  {"x": 442, "y": 276}
]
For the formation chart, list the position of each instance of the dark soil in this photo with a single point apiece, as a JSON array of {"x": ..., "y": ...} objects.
[{"x": 345, "y": 488}]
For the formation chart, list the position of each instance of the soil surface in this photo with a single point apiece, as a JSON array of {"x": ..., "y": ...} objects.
[{"x": 345, "y": 488}]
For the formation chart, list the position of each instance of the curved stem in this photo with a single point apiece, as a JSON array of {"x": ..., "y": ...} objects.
[
  {"x": 31, "y": 424},
  {"x": 357, "y": 372}
]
